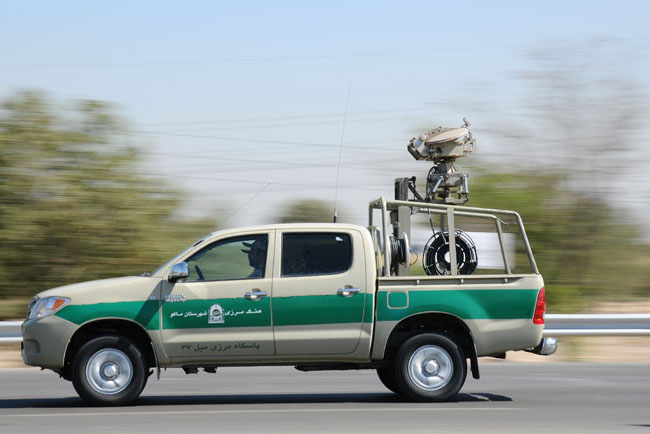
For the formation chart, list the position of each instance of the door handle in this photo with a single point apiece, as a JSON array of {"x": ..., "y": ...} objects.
[
  {"x": 348, "y": 292},
  {"x": 256, "y": 295}
]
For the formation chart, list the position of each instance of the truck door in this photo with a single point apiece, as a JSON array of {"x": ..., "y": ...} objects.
[
  {"x": 223, "y": 308},
  {"x": 319, "y": 292}
]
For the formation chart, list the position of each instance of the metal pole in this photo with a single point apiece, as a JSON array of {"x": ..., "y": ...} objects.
[
  {"x": 452, "y": 241},
  {"x": 384, "y": 224},
  {"x": 444, "y": 207},
  {"x": 403, "y": 220},
  {"x": 522, "y": 231},
  {"x": 503, "y": 247}
]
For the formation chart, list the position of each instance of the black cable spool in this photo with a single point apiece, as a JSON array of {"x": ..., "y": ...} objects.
[
  {"x": 399, "y": 251},
  {"x": 436, "y": 251}
]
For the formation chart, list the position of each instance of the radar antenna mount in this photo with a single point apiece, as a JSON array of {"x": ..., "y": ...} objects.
[{"x": 445, "y": 184}]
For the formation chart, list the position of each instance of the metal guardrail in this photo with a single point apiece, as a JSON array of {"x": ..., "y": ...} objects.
[
  {"x": 629, "y": 324},
  {"x": 10, "y": 331}
]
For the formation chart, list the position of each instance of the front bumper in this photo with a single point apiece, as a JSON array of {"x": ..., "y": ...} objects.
[{"x": 45, "y": 341}]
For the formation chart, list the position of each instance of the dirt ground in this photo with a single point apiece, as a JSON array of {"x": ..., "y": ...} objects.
[
  {"x": 10, "y": 356},
  {"x": 588, "y": 349}
]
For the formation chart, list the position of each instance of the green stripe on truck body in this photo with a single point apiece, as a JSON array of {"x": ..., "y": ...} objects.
[
  {"x": 144, "y": 313},
  {"x": 463, "y": 303},
  {"x": 317, "y": 309}
]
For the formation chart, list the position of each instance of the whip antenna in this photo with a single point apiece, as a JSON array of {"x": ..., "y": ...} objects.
[
  {"x": 250, "y": 199},
  {"x": 338, "y": 166}
]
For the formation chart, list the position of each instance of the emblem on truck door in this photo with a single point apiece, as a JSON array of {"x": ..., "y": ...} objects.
[
  {"x": 175, "y": 298},
  {"x": 216, "y": 314}
]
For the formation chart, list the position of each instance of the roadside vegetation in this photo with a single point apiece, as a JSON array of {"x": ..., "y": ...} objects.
[
  {"x": 72, "y": 204},
  {"x": 583, "y": 247}
]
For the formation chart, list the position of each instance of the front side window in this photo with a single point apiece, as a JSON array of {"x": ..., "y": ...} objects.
[
  {"x": 236, "y": 258},
  {"x": 308, "y": 254}
]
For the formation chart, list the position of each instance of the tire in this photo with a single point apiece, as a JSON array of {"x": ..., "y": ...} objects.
[
  {"x": 109, "y": 371},
  {"x": 430, "y": 367},
  {"x": 387, "y": 377}
]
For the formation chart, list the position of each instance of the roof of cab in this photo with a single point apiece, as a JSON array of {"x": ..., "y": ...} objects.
[{"x": 285, "y": 226}]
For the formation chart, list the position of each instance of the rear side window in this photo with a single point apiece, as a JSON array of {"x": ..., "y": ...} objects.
[{"x": 312, "y": 253}]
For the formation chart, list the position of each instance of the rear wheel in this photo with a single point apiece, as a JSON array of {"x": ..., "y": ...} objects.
[
  {"x": 109, "y": 370},
  {"x": 387, "y": 377},
  {"x": 430, "y": 367}
]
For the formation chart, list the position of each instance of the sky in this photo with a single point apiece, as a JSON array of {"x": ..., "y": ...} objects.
[{"x": 248, "y": 105}]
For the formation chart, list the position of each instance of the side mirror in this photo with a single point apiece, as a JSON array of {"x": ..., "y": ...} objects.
[{"x": 179, "y": 271}]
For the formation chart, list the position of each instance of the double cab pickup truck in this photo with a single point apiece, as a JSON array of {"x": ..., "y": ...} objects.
[{"x": 314, "y": 296}]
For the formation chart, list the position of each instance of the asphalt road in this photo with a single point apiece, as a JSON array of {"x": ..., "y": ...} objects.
[{"x": 516, "y": 398}]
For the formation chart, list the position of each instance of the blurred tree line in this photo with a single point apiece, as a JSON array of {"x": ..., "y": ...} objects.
[
  {"x": 586, "y": 250},
  {"x": 72, "y": 204},
  {"x": 306, "y": 211},
  {"x": 571, "y": 161}
]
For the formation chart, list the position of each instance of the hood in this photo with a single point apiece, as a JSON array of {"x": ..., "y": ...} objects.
[{"x": 106, "y": 287}]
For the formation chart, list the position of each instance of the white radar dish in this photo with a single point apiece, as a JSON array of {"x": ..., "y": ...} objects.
[{"x": 447, "y": 136}]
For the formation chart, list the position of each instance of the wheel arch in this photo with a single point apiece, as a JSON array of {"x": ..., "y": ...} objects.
[
  {"x": 109, "y": 326},
  {"x": 438, "y": 322}
]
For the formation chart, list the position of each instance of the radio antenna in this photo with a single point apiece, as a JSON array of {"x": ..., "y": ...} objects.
[
  {"x": 250, "y": 199},
  {"x": 338, "y": 166}
]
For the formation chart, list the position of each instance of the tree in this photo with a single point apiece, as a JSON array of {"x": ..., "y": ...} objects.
[
  {"x": 306, "y": 211},
  {"x": 72, "y": 204},
  {"x": 583, "y": 251}
]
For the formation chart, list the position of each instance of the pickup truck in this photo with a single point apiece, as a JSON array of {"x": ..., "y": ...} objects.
[{"x": 315, "y": 296}]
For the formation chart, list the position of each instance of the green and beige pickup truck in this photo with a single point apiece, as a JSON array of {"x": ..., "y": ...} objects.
[{"x": 313, "y": 296}]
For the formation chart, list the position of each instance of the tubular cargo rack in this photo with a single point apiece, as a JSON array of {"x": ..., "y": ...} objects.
[{"x": 450, "y": 212}]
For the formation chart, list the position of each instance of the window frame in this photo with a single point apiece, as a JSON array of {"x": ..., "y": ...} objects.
[{"x": 267, "y": 263}]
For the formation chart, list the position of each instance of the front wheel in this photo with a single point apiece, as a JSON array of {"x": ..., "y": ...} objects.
[
  {"x": 109, "y": 370},
  {"x": 430, "y": 367}
]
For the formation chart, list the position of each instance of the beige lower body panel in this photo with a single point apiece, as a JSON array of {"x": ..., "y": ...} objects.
[
  {"x": 382, "y": 333},
  {"x": 494, "y": 336},
  {"x": 491, "y": 336},
  {"x": 207, "y": 344},
  {"x": 344, "y": 338},
  {"x": 307, "y": 350}
]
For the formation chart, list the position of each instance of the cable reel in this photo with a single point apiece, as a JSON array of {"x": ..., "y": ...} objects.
[
  {"x": 400, "y": 250},
  {"x": 436, "y": 257}
]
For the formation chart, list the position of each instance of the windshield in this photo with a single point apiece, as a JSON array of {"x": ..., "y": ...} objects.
[{"x": 177, "y": 257}]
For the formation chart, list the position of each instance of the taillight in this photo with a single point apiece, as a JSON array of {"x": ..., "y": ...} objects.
[{"x": 540, "y": 307}]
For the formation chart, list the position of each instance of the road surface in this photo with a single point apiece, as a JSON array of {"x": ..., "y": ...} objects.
[{"x": 510, "y": 398}]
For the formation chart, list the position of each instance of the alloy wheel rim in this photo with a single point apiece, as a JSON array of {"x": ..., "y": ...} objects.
[
  {"x": 109, "y": 371},
  {"x": 430, "y": 368}
]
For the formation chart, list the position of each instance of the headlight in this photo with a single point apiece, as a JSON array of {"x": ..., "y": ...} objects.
[{"x": 47, "y": 306}]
